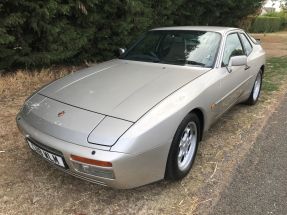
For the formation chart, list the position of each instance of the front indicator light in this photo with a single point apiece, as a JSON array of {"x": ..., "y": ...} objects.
[
  {"x": 92, "y": 167},
  {"x": 93, "y": 170},
  {"x": 91, "y": 161}
]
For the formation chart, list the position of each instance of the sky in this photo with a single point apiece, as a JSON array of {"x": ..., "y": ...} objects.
[{"x": 277, "y": 5}]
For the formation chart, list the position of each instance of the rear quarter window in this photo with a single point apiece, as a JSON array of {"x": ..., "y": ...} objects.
[
  {"x": 246, "y": 44},
  {"x": 252, "y": 39}
]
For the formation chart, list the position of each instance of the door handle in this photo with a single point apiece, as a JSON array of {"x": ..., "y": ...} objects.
[{"x": 247, "y": 67}]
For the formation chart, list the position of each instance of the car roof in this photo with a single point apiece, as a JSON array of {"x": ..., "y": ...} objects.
[{"x": 197, "y": 28}]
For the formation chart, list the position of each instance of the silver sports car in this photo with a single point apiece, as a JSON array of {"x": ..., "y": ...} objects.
[{"x": 139, "y": 118}]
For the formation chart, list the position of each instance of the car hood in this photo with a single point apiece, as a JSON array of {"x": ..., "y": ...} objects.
[{"x": 120, "y": 88}]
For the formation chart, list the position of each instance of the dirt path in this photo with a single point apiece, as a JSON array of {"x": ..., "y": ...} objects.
[
  {"x": 28, "y": 185},
  {"x": 275, "y": 44}
]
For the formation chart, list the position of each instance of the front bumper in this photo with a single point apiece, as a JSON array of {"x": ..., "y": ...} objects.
[{"x": 128, "y": 170}]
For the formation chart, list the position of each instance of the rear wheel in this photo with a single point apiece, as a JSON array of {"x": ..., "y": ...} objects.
[
  {"x": 183, "y": 148},
  {"x": 255, "y": 93}
]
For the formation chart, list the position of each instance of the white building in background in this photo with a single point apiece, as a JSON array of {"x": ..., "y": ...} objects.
[{"x": 271, "y": 6}]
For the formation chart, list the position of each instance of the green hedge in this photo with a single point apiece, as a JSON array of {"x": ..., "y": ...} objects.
[
  {"x": 46, "y": 32},
  {"x": 282, "y": 15},
  {"x": 265, "y": 24}
]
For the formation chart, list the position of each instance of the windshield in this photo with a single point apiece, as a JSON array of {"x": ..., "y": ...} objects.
[{"x": 197, "y": 48}]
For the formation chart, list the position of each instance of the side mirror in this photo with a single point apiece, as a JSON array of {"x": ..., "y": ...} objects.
[
  {"x": 237, "y": 61},
  {"x": 121, "y": 51}
]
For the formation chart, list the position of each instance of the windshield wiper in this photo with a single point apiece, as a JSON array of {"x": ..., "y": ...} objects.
[
  {"x": 155, "y": 58},
  {"x": 184, "y": 61},
  {"x": 191, "y": 62},
  {"x": 180, "y": 61},
  {"x": 144, "y": 57}
]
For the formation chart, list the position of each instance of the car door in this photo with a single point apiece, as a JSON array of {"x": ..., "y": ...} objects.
[
  {"x": 233, "y": 81},
  {"x": 252, "y": 59}
]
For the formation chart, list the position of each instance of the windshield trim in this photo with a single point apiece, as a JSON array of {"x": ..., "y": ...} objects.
[{"x": 122, "y": 57}]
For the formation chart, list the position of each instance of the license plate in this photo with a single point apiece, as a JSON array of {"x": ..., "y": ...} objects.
[{"x": 55, "y": 159}]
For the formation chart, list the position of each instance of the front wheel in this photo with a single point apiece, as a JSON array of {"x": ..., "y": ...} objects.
[
  {"x": 183, "y": 148},
  {"x": 255, "y": 93}
]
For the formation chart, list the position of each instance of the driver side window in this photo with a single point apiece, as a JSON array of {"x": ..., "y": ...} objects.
[{"x": 232, "y": 48}]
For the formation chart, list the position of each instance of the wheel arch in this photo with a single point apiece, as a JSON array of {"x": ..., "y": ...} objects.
[
  {"x": 201, "y": 117},
  {"x": 263, "y": 69}
]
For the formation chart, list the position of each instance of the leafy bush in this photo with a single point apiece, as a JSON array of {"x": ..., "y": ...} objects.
[
  {"x": 270, "y": 22},
  {"x": 264, "y": 24},
  {"x": 247, "y": 23},
  {"x": 40, "y": 33},
  {"x": 282, "y": 15}
]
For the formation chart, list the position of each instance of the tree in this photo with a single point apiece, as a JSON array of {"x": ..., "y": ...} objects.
[
  {"x": 283, "y": 3},
  {"x": 36, "y": 33},
  {"x": 210, "y": 12},
  {"x": 40, "y": 33},
  {"x": 119, "y": 23}
]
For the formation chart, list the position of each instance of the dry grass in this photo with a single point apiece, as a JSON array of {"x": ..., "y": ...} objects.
[
  {"x": 275, "y": 44},
  {"x": 22, "y": 81},
  {"x": 28, "y": 185}
]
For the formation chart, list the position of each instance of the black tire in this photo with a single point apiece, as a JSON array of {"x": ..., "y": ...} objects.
[
  {"x": 251, "y": 100},
  {"x": 173, "y": 171}
]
